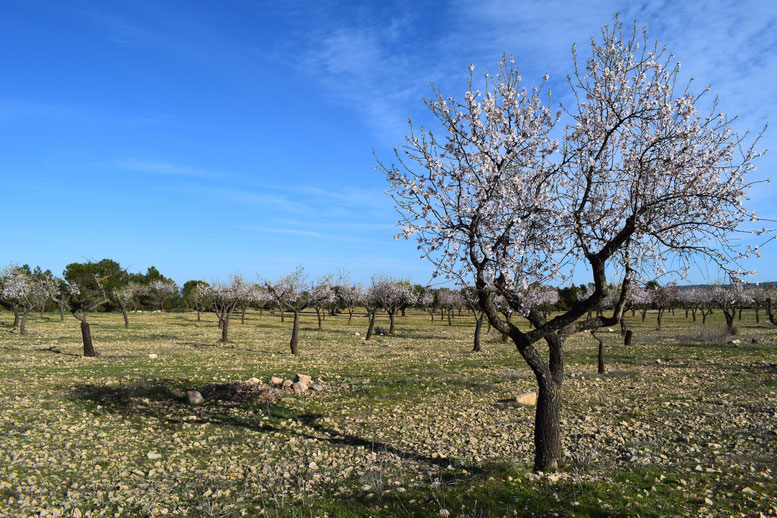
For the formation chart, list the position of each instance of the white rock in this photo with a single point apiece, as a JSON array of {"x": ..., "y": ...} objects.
[
  {"x": 153, "y": 455},
  {"x": 317, "y": 387},
  {"x": 153, "y": 355},
  {"x": 254, "y": 381},
  {"x": 527, "y": 398},
  {"x": 300, "y": 387},
  {"x": 287, "y": 383},
  {"x": 194, "y": 397},
  {"x": 275, "y": 380},
  {"x": 302, "y": 378}
]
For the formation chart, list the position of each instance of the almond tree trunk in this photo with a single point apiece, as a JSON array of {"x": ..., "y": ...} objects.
[
  {"x": 225, "y": 329},
  {"x": 15, "y": 317},
  {"x": 23, "y": 325},
  {"x": 295, "y": 334},
  {"x": 391, "y": 322},
  {"x": 547, "y": 434},
  {"x": 86, "y": 335},
  {"x": 478, "y": 326},
  {"x": 126, "y": 318},
  {"x": 371, "y": 326},
  {"x": 61, "y": 311}
]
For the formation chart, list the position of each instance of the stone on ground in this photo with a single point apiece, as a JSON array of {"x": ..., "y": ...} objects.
[
  {"x": 194, "y": 397},
  {"x": 527, "y": 398}
]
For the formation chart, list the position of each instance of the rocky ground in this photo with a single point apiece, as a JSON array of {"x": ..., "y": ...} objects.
[{"x": 682, "y": 423}]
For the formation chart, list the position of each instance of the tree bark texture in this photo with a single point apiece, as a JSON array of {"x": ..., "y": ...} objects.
[
  {"x": 126, "y": 318},
  {"x": 478, "y": 326},
  {"x": 371, "y": 326},
  {"x": 391, "y": 323},
  {"x": 294, "y": 334},
  {"x": 23, "y": 325},
  {"x": 86, "y": 335},
  {"x": 225, "y": 329},
  {"x": 547, "y": 434}
]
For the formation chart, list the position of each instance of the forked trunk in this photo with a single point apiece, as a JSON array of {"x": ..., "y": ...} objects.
[
  {"x": 15, "y": 317},
  {"x": 371, "y": 326},
  {"x": 431, "y": 314},
  {"x": 478, "y": 326},
  {"x": 86, "y": 335},
  {"x": 350, "y": 316},
  {"x": 693, "y": 315},
  {"x": 295, "y": 334}
]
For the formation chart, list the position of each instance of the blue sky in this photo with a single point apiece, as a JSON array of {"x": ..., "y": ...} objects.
[{"x": 210, "y": 138}]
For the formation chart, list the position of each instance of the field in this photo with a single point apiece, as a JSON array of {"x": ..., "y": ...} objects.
[{"x": 682, "y": 423}]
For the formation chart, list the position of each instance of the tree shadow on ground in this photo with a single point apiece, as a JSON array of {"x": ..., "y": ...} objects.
[
  {"x": 57, "y": 350},
  {"x": 165, "y": 400}
]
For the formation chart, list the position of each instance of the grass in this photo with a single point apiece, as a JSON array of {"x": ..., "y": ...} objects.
[{"x": 682, "y": 423}]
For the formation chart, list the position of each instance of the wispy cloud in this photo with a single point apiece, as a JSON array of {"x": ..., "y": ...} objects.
[
  {"x": 299, "y": 232},
  {"x": 167, "y": 169}
]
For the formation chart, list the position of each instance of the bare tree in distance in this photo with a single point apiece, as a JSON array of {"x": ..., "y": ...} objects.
[{"x": 640, "y": 178}]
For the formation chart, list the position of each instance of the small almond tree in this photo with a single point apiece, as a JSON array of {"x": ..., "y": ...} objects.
[
  {"x": 86, "y": 284},
  {"x": 322, "y": 296},
  {"x": 390, "y": 295},
  {"x": 21, "y": 290},
  {"x": 292, "y": 294},
  {"x": 161, "y": 290},
  {"x": 639, "y": 180},
  {"x": 350, "y": 296},
  {"x": 225, "y": 297},
  {"x": 126, "y": 297}
]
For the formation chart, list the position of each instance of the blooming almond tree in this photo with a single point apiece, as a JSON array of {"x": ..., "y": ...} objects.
[
  {"x": 162, "y": 290},
  {"x": 21, "y": 290},
  {"x": 350, "y": 296},
  {"x": 390, "y": 295},
  {"x": 638, "y": 178},
  {"x": 292, "y": 294},
  {"x": 322, "y": 296},
  {"x": 225, "y": 297},
  {"x": 126, "y": 297}
]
